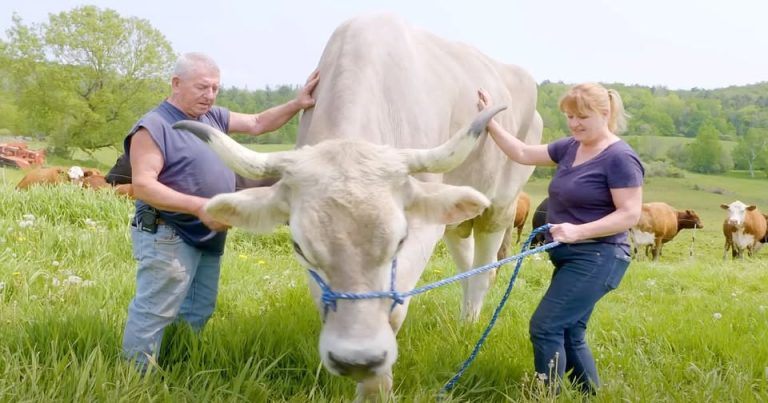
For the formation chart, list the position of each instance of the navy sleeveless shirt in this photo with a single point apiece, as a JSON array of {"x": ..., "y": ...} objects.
[
  {"x": 581, "y": 194},
  {"x": 190, "y": 167}
]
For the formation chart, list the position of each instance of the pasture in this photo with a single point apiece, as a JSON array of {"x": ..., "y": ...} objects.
[{"x": 690, "y": 327}]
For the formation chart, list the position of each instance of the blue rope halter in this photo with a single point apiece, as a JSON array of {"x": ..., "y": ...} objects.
[{"x": 329, "y": 297}]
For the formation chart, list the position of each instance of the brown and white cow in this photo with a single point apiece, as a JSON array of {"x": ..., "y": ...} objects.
[
  {"x": 522, "y": 207},
  {"x": 744, "y": 229},
  {"x": 659, "y": 223},
  {"x": 379, "y": 177}
]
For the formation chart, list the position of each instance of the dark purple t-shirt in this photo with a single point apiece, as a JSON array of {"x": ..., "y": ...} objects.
[
  {"x": 190, "y": 167},
  {"x": 581, "y": 194}
]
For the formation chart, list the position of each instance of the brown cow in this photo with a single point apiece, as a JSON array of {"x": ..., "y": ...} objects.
[
  {"x": 43, "y": 176},
  {"x": 125, "y": 189},
  {"x": 521, "y": 216},
  {"x": 744, "y": 229},
  {"x": 659, "y": 223},
  {"x": 95, "y": 181}
]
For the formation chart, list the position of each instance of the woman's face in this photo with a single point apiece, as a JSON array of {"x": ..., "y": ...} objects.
[{"x": 588, "y": 126}]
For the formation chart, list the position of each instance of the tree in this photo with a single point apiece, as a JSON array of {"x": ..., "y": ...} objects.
[
  {"x": 705, "y": 151},
  {"x": 86, "y": 75},
  {"x": 752, "y": 150}
]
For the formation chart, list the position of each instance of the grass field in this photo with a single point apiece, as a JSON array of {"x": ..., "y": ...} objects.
[{"x": 690, "y": 328}]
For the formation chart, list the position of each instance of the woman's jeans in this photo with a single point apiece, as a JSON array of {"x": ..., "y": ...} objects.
[
  {"x": 584, "y": 272},
  {"x": 173, "y": 280}
]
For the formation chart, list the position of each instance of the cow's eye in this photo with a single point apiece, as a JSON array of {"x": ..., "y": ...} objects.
[
  {"x": 400, "y": 244},
  {"x": 297, "y": 249}
]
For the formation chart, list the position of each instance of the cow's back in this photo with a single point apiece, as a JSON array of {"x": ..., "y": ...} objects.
[{"x": 389, "y": 83}]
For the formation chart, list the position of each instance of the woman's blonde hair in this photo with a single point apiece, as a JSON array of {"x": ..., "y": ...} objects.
[{"x": 587, "y": 98}]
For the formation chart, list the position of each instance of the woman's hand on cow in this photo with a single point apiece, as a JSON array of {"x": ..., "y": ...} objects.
[{"x": 484, "y": 99}]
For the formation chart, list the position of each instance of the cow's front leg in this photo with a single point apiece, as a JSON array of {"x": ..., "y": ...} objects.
[
  {"x": 486, "y": 244},
  {"x": 376, "y": 389}
]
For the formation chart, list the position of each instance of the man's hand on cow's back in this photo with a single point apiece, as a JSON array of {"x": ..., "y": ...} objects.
[{"x": 305, "y": 98}]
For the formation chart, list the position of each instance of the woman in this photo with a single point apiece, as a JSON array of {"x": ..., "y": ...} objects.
[{"x": 595, "y": 196}]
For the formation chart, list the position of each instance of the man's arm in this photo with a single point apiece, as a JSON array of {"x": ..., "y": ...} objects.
[
  {"x": 275, "y": 117},
  {"x": 146, "y": 163}
]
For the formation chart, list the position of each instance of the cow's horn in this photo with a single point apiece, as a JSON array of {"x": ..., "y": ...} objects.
[
  {"x": 244, "y": 161},
  {"x": 452, "y": 153}
]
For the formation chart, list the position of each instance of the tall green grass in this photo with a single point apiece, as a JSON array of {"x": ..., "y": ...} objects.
[{"x": 689, "y": 328}]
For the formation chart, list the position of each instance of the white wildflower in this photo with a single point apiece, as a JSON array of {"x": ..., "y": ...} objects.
[
  {"x": 733, "y": 294},
  {"x": 28, "y": 217},
  {"x": 55, "y": 282},
  {"x": 761, "y": 308},
  {"x": 26, "y": 223},
  {"x": 2, "y": 285},
  {"x": 651, "y": 282},
  {"x": 717, "y": 315},
  {"x": 73, "y": 280},
  {"x": 90, "y": 222},
  {"x": 55, "y": 263}
]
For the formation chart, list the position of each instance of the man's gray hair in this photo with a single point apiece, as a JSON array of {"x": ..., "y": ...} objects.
[{"x": 188, "y": 61}]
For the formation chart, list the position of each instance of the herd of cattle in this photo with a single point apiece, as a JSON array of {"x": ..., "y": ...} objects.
[
  {"x": 745, "y": 228},
  {"x": 89, "y": 178}
]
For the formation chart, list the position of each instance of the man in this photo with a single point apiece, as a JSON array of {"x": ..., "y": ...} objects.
[{"x": 177, "y": 245}]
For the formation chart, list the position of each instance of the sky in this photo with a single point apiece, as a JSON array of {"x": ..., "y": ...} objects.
[{"x": 678, "y": 44}]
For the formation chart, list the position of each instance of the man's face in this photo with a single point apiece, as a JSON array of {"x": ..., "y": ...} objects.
[{"x": 195, "y": 92}]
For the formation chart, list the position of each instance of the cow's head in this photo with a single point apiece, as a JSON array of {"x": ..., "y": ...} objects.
[
  {"x": 75, "y": 174},
  {"x": 348, "y": 205},
  {"x": 736, "y": 212},
  {"x": 688, "y": 219}
]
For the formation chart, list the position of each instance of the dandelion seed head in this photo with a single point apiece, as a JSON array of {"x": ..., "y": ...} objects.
[
  {"x": 717, "y": 315},
  {"x": 28, "y": 217},
  {"x": 90, "y": 222},
  {"x": 55, "y": 263}
]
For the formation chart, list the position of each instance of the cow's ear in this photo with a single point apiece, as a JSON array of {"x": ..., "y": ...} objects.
[
  {"x": 254, "y": 209},
  {"x": 444, "y": 204},
  {"x": 724, "y": 206}
]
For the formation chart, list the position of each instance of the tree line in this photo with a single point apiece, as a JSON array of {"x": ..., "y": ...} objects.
[{"x": 81, "y": 79}]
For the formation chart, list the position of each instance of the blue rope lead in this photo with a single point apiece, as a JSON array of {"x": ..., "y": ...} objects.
[{"x": 451, "y": 383}]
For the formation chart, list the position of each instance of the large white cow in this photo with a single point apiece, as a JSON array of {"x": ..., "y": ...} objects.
[{"x": 378, "y": 179}]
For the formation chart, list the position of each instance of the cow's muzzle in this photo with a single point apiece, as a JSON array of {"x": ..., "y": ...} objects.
[{"x": 359, "y": 368}]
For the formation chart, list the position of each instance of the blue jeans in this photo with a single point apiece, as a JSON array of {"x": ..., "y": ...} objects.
[
  {"x": 583, "y": 274},
  {"x": 173, "y": 280}
]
